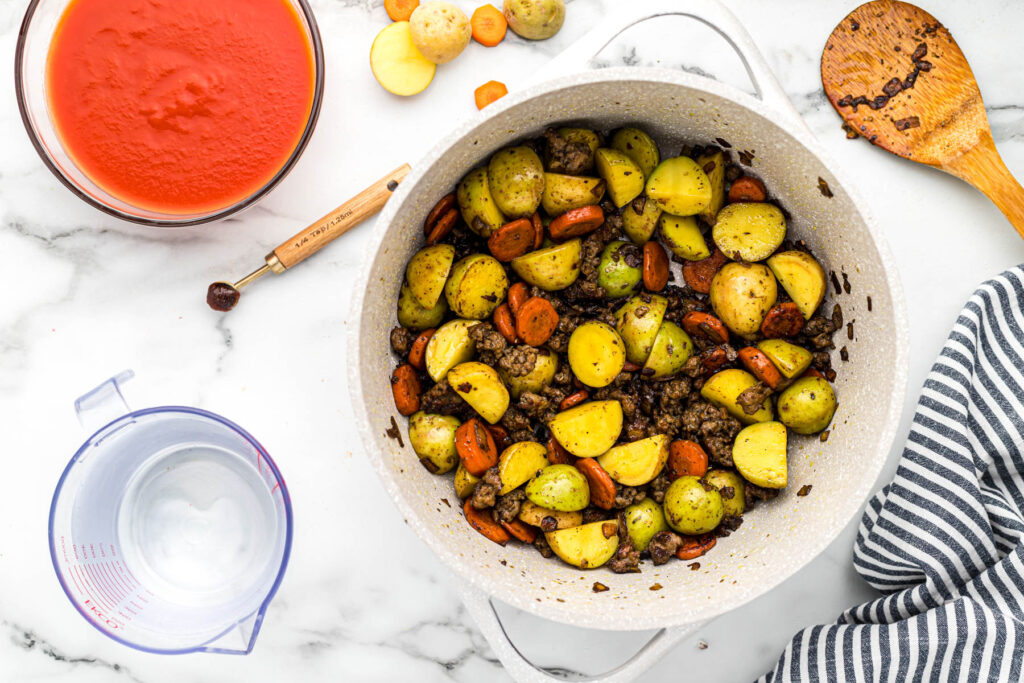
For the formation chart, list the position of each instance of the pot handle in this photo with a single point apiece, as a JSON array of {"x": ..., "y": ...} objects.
[
  {"x": 712, "y": 13},
  {"x": 521, "y": 669}
]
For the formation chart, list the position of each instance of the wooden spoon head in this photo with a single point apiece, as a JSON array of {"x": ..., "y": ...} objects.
[{"x": 898, "y": 78}]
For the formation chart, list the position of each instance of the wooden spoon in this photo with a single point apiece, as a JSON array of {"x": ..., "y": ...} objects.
[{"x": 898, "y": 78}]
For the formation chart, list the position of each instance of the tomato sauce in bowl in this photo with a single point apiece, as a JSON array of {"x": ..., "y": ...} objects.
[{"x": 181, "y": 107}]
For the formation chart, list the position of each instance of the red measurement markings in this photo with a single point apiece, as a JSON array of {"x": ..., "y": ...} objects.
[
  {"x": 101, "y": 584},
  {"x": 109, "y": 575},
  {"x": 276, "y": 487},
  {"x": 120, "y": 578},
  {"x": 137, "y": 583},
  {"x": 90, "y": 587}
]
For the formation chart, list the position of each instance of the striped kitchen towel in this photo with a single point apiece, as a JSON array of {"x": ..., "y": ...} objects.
[{"x": 943, "y": 540}]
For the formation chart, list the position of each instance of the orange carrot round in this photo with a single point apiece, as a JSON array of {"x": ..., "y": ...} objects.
[
  {"x": 712, "y": 359},
  {"x": 418, "y": 350},
  {"x": 686, "y": 459},
  {"x": 707, "y": 326},
  {"x": 538, "y": 230},
  {"x": 475, "y": 446},
  {"x": 693, "y": 547},
  {"x": 655, "y": 268},
  {"x": 443, "y": 226},
  {"x": 576, "y": 222},
  {"x": 574, "y": 399},
  {"x": 602, "y": 488},
  {"x": 520, "y": 530},
  {"x": 517, "y": 296},
  {"x": 400, "y": 10},
  {"x": 405, "y": 386},
  {"x": 505, "y": 323},
  {"x": 443, "y": 206},
  {"x": 760, "y": 366},
  {"x": 482, "y": 521},
  {"x": 489, "y": 92},
  {"x": 536, "y": 321},
  {"x": 511, "y": 240},
  {"x": 500, "y": 435},
  {"x": 488, "y": 25},
  {"x": 747, "y": 189},
  {"x": 782, "y": 320},
  {"x": 557, "y": 455},
  {"x": 698, "y": 274}
]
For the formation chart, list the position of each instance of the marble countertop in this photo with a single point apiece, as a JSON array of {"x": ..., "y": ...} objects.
[{"x": 83, "y": 296}]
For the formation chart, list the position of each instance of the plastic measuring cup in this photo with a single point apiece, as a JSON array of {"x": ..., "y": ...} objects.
[{"x": 170, "y": 528}]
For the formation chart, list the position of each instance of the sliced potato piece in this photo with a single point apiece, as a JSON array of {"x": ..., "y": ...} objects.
[
  {"x": 724, "y": 387},
  {"x": 589, "y": 429},
  {"x": 465, "y": 482},
  {"x": 584, "y": 136},
  {"x": 428, "y": 271},
  {"x": 448, "y": 347},
  {"x": 480, "y": 386},
  {"x": 759, "y": 454},
  {"x": 559, "y": 487},
  {"x": 638, "y": 321},
  {"x": 477, "y": 205},
  {"x": 672, "y": 348},
  {"x": 637, "y": 462},
  {"x": 565, "y": 192},
  {"x": 750, "y": 231},
  {"x": 596, "y": 353},
  {"x": 551, "y": 269},
  {"x": 587, "y": 546},
  {"x": 432, "y": 437},
  {"x": 682, "y": 236},
  {"x": 741, "y": 294},
  {"x": 730, "y": 487},
  {"x": 807, "y": 405},
  {"x": 516, "y": 179},
  {"x": 713, "y": 166},
  {"x": 638, "y": 146},
  {"x": 519, "y": 463},
  {"x": 640, "y": 226},
  {"x": 643, "y": 520},
  {"x": 802, "y": 277},
  {"x": 624, "y": 178},
  {"x": 790, "y": 359},
  {"x": 476, "y": 286},
  {"x": 396, "y": 63},
  {"x": 679, "y": 186},
  {"x": 535, "y": 380},
  {"x": 620, "y": 270},
  {"x": 414, "y": 316},
  {"x": 534, "y": 515}
]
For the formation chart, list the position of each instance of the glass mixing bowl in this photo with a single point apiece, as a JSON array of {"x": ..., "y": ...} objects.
[{"x": 34, "y": 39}]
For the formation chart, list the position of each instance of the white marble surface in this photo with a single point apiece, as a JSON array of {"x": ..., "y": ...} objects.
[{"x": 83, "y": 296}]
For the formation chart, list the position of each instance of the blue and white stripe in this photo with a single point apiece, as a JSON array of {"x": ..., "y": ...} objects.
[{"x": 942, "y": 542}]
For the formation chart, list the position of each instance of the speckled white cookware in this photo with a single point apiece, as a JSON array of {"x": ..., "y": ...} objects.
[{"x": 776, "y": 539}]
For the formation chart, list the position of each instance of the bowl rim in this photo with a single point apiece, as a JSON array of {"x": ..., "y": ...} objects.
[
  {"x": 667, "y": 617},
  {"x": 314, "y": 114}
]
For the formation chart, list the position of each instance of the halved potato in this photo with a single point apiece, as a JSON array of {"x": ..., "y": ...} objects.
[
  {"x": 559, "y": 487},
  {"x": 713, "y": 166},
  {"x": 596, "y": 353},
  {"x": 535, "y": 380},
  {"x": 724, "y": 387},
  {"x": 807, "y": 405},
  {"x": 448, "y": 347},
  {"x": 551, "y": 269},
  {"x": 477, "y": 205},
  {"x": 519, "y": 463},
  {"x": 534, "y": 515},
  {"x": 414, "y": 316},
  {"x": 589, "y": 429},
  {"x": 682, "y": 236},
  {"x": 586, "y": 546},
  {"x": 741, "y": 295},
  {"x": 428, "y": 271},
  {"x": 802, "y": 277},
  {"x": 583, "y": 136},
  {"x": 637, "y": 462},
  {"x": 565, "y": 192},
  {"x": 749, "y": 231},
  {"x": 734, "y": 502},
  {"x": 638, "y": 146},
  {"x": 624, "y": 177},
  {"x": 476, "y": 286},
  {"x": 516, "y": 179},
  {"x": 640, "y": 226},
  {"x": 680, "y": 187},
  {"x": 620, "y": 270},
  {"x": 638, "y": 322},
  {"x": 672, "y": 348},
  {"x": 465, "y": 482},
  {"x": 790, "y": 359},
  {"x": 396, "y": 63},
  {"x": 759, "y": 454},
  {"x": 480, "y": 386},
  {"x": 432, "y": 437},
  {"x": 643, "y": 520}
]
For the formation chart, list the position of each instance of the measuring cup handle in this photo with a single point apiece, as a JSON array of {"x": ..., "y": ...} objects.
[{"x": 104, "y": 404}]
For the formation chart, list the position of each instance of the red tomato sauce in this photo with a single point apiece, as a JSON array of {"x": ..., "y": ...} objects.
[{"x": 180, "y": 106}]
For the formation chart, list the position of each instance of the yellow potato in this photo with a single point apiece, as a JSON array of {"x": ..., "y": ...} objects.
[
  {"x": 682, "y": 236},
  {"x": 412, "y": 315},
  {"x": 724, "y": 387},
  {"x": 734, "y": 501},
  {"x": 476, "y": 286},
  {"x": 535, "y": 19},
  {"x": 565, "y": 192},
  {"x": 759, "y": 454},
  {"x": 750, "y": 231},
  {"x": 477, "y": 205},
  {"x": 713, "y": 166},
  {"x": 396, "y": 63},
  {"x": 428, "y": 271},
  {"x": 638, "y": 322},
  {"x": 802, "y": 277},
  {"x": 643, "y": 520},
  {"x": 535, "y": 380},
  {"x": 551, "y": 269},
  {"x": 583, "y": 136},
  {"x": 449, "y": 346},
  {"x": 516, "y": 178},
  {"x": 480, "y": 386},
  {"x": 680, "y": 187},
  {"x": 790, "y": 359},
  {"x": 559, "y": 487},
  {"x": 589, "y": 429},
  {"x": 587, "y": 546},
  {"x": 638, "y": 146},
  {"x": 519, "y": 463},
  {"x": 807, "y": 405},
  {"x": 672, "y": 348},
  {"x": 624, "y": 177},
  {"x": 596, "y": 353},
  {"x": 637, "y": 462},
  {"x": 534, "y": 515},
  {"x": 432, "y": 437},
  {"x": 440, "y": 31},
  {"x": 640, "y": 226},
  {"x": 692, "y": 508},
  {"x": 741, "y": 295},
  {"x": 465, "y": 483}
]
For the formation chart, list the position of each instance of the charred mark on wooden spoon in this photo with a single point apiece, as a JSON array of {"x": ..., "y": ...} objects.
[{"x": 894, "y": 86}]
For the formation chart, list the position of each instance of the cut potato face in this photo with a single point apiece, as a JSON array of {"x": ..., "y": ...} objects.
[
  {"x": 559, "y": 487},
  {"x": 480, "y": 386},
  {"x": 624, "y": 178},
  {"x": 640, "y": 226},
  {"x": 589, "y": 429},
  {"x": 565, "y": 192},
  {"x": 448, "y": 347},
  {"x": 807, "y": 405},
  {"x": 596, "y": 353},
  {"x": 432, "y": 437},
  {"x": 730, "y": 486},
  {"x": 551, "y": 269},
  {"x": 534, "y": 381},
  {"x": 519, "y": 463},
  {"x": 682, "y": 236},
  {"x": 428, "y": 271},
  {"x": 672, "y": 348},
  {"x": 638, "y": 146},
  {"x": 587, "y": 546},
  {"x": 534, "y": 515},
  {"x": 724, "y": 387},
  {"x": 643, "y": 520},
  {"x": 741, "y": 294},
  {"x": 759, "y": 454},
  {"x": 802, "y": 277},
  {"x": 790, "y": 359},
  {"x": 414, "y": 316},
  {"x": 465, "y": 483},
  {"x": 713, "y": 166},
  {"x": 477, "y": 205},
  {"x": 638, "y": 322},
  {"x": 680, "y": 187},
  {"x": 750, "y": 231},
  {"x": 476, "y": 286},
  {"x": 516, "y": 179},
  {"x": 637, "y": 462},
  {"x": 396, "y": 63}
]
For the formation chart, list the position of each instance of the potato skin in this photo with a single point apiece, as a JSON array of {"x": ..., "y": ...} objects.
[
  {"x": 643, "y": 520},
  {"x": 692, "y": 509},
  {"x": 477, "y": 205},
  {"x": 716, "y": 176},
  {"x": 465, "y": 482},
  {"x": 440, "y": 31},
  {"x": 433, "y": 439},
  {"x": 640, "y": 226},
  {"x": 682, "y": 236},
  {"x": 736, "y": 504},
  {"x": 535, "y": 19},
  {"x": 620, "y": 272},
  {"x": 476, "y": 286},
  {"x": 741, "y": 294},
  {"x": 807, "y": 405},
  {"x": 553, "y": 268},
  {"x": 638, "y": 146},
  {"x": 534, "y": 515},
  {"x": 559, "y": 487},
  {"x": 448, "y": 347},
  {"x": 596, "y": 353},
  {"x": 723, "y": 388},
  {"x": 565, "y": 192},
  {"x": 414, "y": 316},
  {"x": 638, "y": 322},
  {"x": 428, "y": 271},
  {"x": 750, "y": 231},
  {"x": 542, "y": 375},
  {"x": 672, "y": 348},
  {"x": 515, "y": 176}
]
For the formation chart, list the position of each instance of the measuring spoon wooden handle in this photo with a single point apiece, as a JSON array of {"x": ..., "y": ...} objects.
[
  {"x": 982, "y": 167},
  {"x": 335, "y": 224}
]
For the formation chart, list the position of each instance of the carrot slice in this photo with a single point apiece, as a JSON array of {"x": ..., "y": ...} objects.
[
  {"x": 489, "y": 92},
  {"x": 631, "y": 367},
  {"x": 405, "y": 386},
  {"x": 418, "y": 350},
  {"x": 520, "y": 530},
  {"x": 557, "y": 455},
  {"x": 511, "y": 240},
  {"x": 782, "y": 320},
  {"x": 500, "y": 435},
  {"x": 576, "y": 222},
  {"x": 686, "y": 459},
  {"x": 814, "y": 372},
  {"x": 505, "y": 323},
  {"x": 443, "y": 206},
  {"x": 747, "y": 189},
  {"x": 476, "y": 447},
  {"x": 482, "y": 521},
  {"x": 488, "y": 25},
  {"x": 574, "y": 399},
  {"x": 707, "y": 326},
  {"x": 538, "y": 230},
  {"x": 713, "y": 359},
  {"x": 517, "y": 296},
  {"x": 760, "y": 366},
  {"x": 602, "y": 488},
  {"x": 655, "y": 269},
  {"x": 400, "y": 10},
  {"x": 693, "y": 547},
  {"x": 443, "y": 226},
  {"x": 698, "y": 274},
  {"x": 536, "y": 321}
]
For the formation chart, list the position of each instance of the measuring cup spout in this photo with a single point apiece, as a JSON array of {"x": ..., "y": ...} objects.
[{"x": 240, "y": 638}]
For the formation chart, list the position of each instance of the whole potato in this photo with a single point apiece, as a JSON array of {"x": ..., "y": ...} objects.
[
  {"x": 732, "y": 489},
  {"x": 559, "y": 487},
  {"x": 807, "y": 405},
  {"x": 741, "y": 294},
  {"x": 621, "y": 270},
  {"x": 691, "y": 507},
  {"x": 476, "y": 286},
  {"x": 433, "y": 439},
  {"x": 643, "y": 520},
  {"x": 515, "y": 176},
  {"x": 414, "y": 316},
  {"x": 535, "y": 19},
  {"x": 440, "y": 31},
  {"x": 596, "y": 353}
]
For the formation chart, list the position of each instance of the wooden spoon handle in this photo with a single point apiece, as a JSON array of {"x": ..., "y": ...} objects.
[
  {"x": 335, "y": 224},
  {"x": 982, "y": 167}
]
